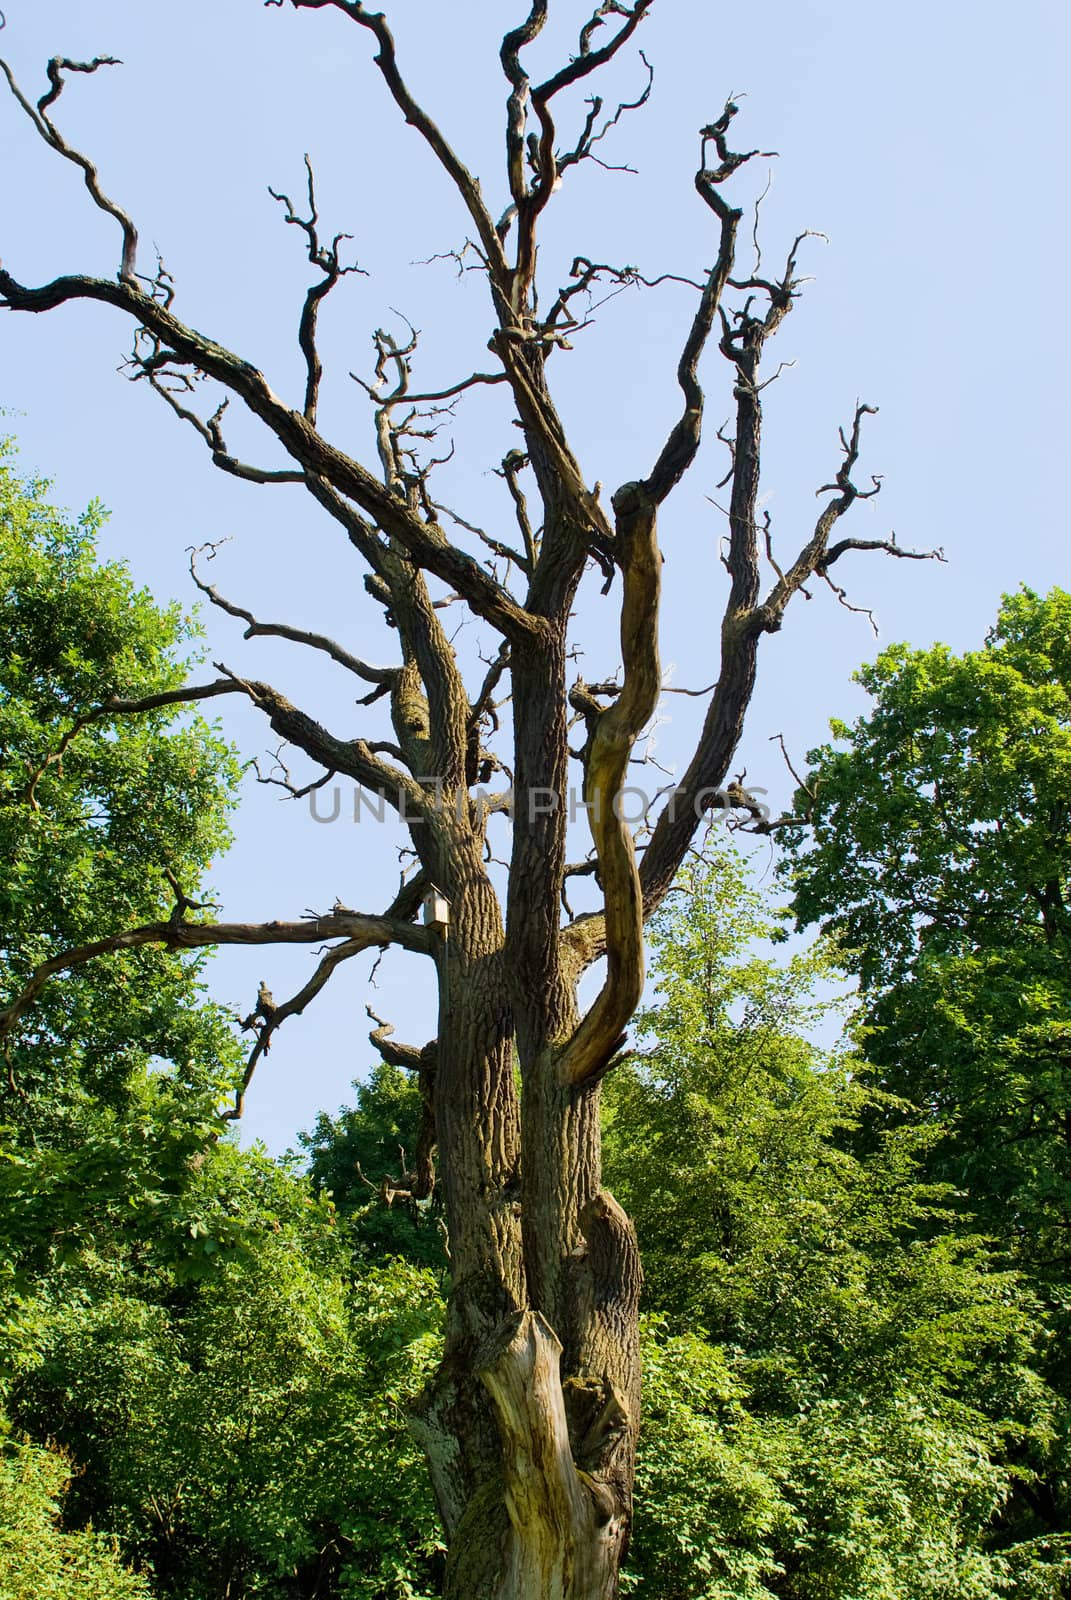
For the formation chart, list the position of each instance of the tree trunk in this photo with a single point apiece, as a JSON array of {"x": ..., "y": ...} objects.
[
  {"x": 530, "y": 1423},
  {"x": 567, "y": 1530},
  {"x": 551, "y": 1520}
]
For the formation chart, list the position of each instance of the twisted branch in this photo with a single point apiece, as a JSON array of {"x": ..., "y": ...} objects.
[
  {"x": 51, "y": 135},
  {"x": 326, "y": 257},
  {"x": 614, "y": 732}
]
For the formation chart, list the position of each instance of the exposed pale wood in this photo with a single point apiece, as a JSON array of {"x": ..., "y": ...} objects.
[{"x": 566, "y": 1538}]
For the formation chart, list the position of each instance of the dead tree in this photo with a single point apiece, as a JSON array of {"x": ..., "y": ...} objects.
[{"x": 530, "y": 1425}]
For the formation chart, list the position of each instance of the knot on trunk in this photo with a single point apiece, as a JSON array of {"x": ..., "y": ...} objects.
[
  {"x": 611, "y": 1259},
  {"x": 599, "y": 1423}
]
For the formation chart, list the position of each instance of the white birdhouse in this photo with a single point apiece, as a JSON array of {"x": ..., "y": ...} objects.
[{"x": 436, "y": 911}]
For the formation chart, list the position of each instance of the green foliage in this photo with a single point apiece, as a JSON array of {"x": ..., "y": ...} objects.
[
  {"x": 729, "y": 1101},
  {"x": 943, "y": 826},
  {"x": 90, "y": 819},
  {"x": 708, "y": 1513},
  {"x": 111, "y": 1081},
  {"x": 245, "y": 1433},
  {"x": 183, "y": 1319},
  {"x": 847, "y": 1499},
  {"x": 940, "y": 856},
  {"x": 838, "y": 1377},
  {"x": 349, "y": 1154},
  {"x": 38, "y": 1559}
]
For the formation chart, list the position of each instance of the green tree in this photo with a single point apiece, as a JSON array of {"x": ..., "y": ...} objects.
[
  {"x": 39, "y": 1559},
  {"x": 350, "y": 1155},
  {"x": 243, "y": 1429},
  {"x": 116, "y": 1077},
  {"x": 181, "y": 1317},
  {"x": 938, "y": 852},
  {"x": 840, "y": 1378}
]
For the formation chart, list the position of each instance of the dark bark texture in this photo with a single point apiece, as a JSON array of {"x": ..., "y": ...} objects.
[{"x": 530, "y": 1425}]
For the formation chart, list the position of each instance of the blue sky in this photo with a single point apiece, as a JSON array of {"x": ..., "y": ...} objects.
[{"x": 925, "y": 141}]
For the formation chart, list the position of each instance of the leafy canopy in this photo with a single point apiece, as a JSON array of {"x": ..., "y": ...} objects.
[
  {"x": 115, "y": 1078},
  {"x": 837, "y": 1376},
  {"x": 939, "y": 854}
]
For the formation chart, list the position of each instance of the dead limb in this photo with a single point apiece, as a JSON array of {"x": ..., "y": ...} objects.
[{"x": 362, "y": 931}]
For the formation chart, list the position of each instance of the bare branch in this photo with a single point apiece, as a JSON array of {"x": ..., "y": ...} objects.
[
  {"x": 326, "y": 257},
  {"x": 394, "y": 1054},
  {"x": 538, "y": 151},
  {"x": 418, "y": 1184},
  {"x": 680, "y": 448},
  {"x": 51, "y": 135},
  {"x": 590, "y": 136},
  {"x": 364, "y": 931},
  {"x": 183, "y": 903},
  {"x": 290, "y": 1008},
  {"x": 695, "y": 694},
  {"x": 585, "y": 273},
  {"x": 512, "y": 466},
  {"x": 424, "y": 542},
  {"x": 472, "y": 382},
  {"x": 779, "y": 738},
  {"x": 468, "y": 188},
  {"x": 589, "y": 60},
  {"x": 285, "y": 782},
  {"x": 811, "y": 557},
  {"x": 353, "y": 757},
  {"x": 745, "y": 619},
  {"x": 577, "y": 869},
  {"x": 612, "y": 737},
  {"x": 118, "y": 707},
  {"x": 405, "y": 906},
  {"x": 483, "y": 705},
  {"x": 889, "y": 546},
  {"x": 505, "y": 552},
  {"x": 150, "y": 367},
  {"x": 381, "y": 677},
  {"x": 766, "y": 825},
  {"x": 516, "y": 108}
]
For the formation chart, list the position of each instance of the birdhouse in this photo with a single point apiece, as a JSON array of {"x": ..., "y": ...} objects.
[{"x": 436, "y": 911}]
